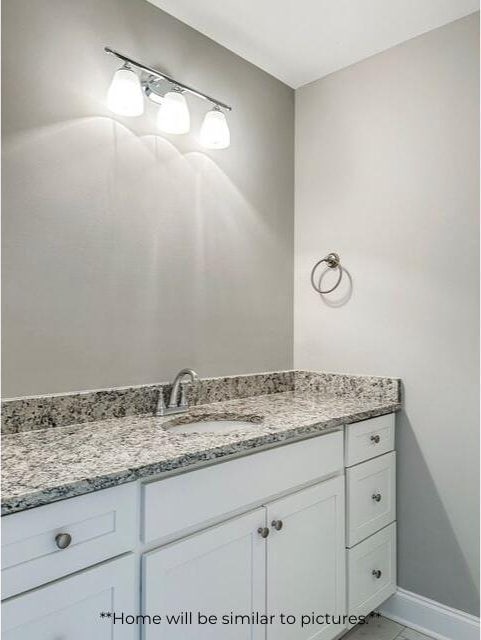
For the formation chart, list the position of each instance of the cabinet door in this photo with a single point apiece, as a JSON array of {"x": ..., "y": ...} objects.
[
  {"x": 214, "y": 572},
  {"x": 70, "y": 608},
  {"x": 306, "y": 562}
]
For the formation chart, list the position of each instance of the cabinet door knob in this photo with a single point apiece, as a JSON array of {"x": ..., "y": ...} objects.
[
  {"x": 263, "y": 531},
  {"x": 375, "y": 439},
  {"x": 376, "y": 497},
  {"x": 376, "y": 573},
  {"x": 277, "y": 524},
  {"x": 63, "y": 540}
]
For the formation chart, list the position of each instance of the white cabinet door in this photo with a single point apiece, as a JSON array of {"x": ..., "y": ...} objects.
[
  {"x": 306, "y": 562},
  {"x": 212, "y": 573},
  {"x": 70, "y": 608}
]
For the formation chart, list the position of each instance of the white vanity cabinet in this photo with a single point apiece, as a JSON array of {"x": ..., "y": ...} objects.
[{"x": 290, "y": 530}]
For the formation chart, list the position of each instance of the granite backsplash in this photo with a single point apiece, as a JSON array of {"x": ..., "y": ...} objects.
[{"x": 40, "y": 412}]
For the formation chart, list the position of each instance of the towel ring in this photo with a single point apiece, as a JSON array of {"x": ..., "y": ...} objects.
[{"x": 333, "y": 261}]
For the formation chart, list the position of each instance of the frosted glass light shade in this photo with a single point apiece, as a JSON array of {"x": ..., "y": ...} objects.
[
  {"x": 214, "y": 133},
  {"x": 173, "y": 115},
  {"x": 125, "y": 93}
]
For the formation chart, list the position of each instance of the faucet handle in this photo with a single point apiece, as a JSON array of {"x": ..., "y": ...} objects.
[
  {"x": 183, "y": 395},
  {"x": 160, "y": 397},
  {"x": 160, "y": 405}
]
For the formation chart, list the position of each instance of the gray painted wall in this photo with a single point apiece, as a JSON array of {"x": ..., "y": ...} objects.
[
  {"x": 128, "y": 254},
  {"x": 387, "y": 174}
]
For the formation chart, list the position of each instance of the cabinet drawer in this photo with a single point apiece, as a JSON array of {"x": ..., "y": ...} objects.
[
  {"x": 101, "y": 525},
  {"x": 372, "y": 571},
  {"x": 70, "y": 608},
  {"x": 181, "y": 503},
  {"x": 371, "y": 497},
  {"x": 369, "y": 438}
]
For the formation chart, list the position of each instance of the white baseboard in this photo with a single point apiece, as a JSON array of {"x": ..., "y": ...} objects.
[{"x": 430, "y": 617}]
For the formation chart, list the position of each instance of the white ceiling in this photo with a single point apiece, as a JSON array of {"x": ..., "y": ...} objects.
[{"x": 299, "y": 41}]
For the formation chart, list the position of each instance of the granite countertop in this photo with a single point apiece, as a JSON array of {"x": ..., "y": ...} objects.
[{"x": 50, "y": 464}]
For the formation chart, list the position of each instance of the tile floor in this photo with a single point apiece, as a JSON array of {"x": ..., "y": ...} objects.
[{"x": 383, "y": 629}]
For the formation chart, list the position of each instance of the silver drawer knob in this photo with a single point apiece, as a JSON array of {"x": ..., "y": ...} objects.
[
  {"x": 376, "y": 439},
  {"x": 277, "y": 524},
  {"x": 263, "y": 531},
  {"x": 63, "y": 540},
  {"x": 376, "y": 497},
  {"x": 376, "y": 573}
]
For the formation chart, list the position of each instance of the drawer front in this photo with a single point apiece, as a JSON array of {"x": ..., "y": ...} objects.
[
  {"x": 101, "y": 525},
  {"x": 371, "y": 569},
  {"x": 369, "y": 438},
  {"x": 184, "y": 502},
  {"x": 70, "y": 608},
  {"x": 371, "y": 497}
]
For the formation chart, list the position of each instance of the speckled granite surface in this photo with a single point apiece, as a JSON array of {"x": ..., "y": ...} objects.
[
  {"x": 40, "y": 412},
  {"x": 37, "y": 412},
  {"x": 339, "y": 385},
  {"x": 45, "y": 465}
]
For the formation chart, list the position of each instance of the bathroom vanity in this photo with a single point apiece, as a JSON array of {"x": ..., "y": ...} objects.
[{"x": 294, "y": 517}]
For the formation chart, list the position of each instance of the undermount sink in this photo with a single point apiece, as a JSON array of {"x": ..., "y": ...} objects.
[{"x": 212, "y": 424}]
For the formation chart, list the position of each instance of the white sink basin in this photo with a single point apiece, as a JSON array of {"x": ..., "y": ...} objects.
[{"x": 212, "y": 426}]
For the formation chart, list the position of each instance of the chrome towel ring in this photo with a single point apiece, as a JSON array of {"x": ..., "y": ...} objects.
[{"x": 333, "y": 261}]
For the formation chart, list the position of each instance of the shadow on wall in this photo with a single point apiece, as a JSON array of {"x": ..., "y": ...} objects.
[
  {"x": 124, "y": 240},
  {"x": 418, "y": 501},
  {"x": 234, "y": 245}
]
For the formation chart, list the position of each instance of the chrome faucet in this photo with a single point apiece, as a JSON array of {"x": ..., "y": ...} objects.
[{"x": 176, "y": 404}]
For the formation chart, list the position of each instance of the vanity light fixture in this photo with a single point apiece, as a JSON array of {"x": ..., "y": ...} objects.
[{"x": 128, "y": 88}]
